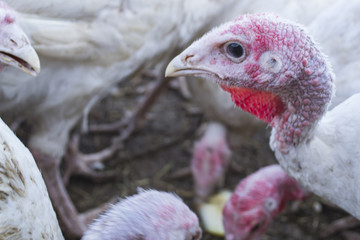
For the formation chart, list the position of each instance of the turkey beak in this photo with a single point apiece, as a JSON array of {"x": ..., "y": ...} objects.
[
  {"x": 188, "y": 64},
  {"x": 177, "y": 68},
  {"x": 16, "y": 50}
]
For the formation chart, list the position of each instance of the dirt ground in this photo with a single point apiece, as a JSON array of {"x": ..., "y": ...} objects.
[{"x": 163, "y": 145}]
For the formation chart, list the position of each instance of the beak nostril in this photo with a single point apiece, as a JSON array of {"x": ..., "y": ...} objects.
[
  {"x": 187, "y": 57},
  {"x": 13, "y": 41}
]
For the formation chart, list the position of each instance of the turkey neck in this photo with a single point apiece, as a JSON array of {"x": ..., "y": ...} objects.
[{"x": 305, "y": 101}]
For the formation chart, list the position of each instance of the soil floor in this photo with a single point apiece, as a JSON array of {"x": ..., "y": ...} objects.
[{"x": 163, "y": 145}]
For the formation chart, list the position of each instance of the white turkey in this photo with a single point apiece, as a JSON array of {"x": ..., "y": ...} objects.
[
  {"x": 340, "y": 43},
  {"x": 25, "y": 208},
  {"x": 287, "y": 82}
]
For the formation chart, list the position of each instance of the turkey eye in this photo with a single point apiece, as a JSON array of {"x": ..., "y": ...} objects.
[{"x": 235, "y": 51}]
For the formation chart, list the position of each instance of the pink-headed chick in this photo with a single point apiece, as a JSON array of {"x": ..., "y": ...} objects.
[
  {"x": 148, "y": 215},
  {"x": 257, "y": 200},
  {"x": 210, "y": 160}
]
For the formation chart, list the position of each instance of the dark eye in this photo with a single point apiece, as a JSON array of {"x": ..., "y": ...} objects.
[{"x": 234, "y": 51}]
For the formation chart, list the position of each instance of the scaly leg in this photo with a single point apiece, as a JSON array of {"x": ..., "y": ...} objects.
[
  {"x": 77, "y": 163},
  {"x": 72, "y": 224}
]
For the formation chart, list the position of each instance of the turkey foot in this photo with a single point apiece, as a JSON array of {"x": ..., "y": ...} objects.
[
  {"x": 340, "y": 225},
  {"x": 77, "y": 163},
  {"x": 128, "y": 126},
  {"x": 72, "y": 223}
]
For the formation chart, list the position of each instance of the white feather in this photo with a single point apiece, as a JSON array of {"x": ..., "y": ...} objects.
[
  {"x": 327, "y": 163},
  {"x": 25, "y": 208}
]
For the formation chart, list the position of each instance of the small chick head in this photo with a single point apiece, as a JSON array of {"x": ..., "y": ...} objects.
[
  {"x": 210, "y": 160},
  {"x": 257, "y": 200}
]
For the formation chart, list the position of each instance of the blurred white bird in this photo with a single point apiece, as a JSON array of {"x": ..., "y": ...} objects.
[
  {"x": 25, "y": 208},
  {"x": 85, "y": 48}
]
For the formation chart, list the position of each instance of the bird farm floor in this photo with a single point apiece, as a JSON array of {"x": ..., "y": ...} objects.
[{"x": 162, "y": 146}]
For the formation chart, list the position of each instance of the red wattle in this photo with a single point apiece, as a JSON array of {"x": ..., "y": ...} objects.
[{"x": 264, "y": 105}]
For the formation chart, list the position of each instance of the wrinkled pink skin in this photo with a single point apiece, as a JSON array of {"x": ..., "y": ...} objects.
[
  {"x": 257, "y": 200},
  {"x": 210, "y": 160}
]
